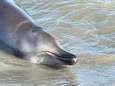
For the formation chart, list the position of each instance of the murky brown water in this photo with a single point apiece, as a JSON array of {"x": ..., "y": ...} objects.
[{"x": 85, "y": 28}]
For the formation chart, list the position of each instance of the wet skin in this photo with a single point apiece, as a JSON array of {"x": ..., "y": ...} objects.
[{"x": 27, "y": 40}]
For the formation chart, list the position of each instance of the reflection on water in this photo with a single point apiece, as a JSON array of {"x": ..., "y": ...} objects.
[{"x": 85, "y": 28}]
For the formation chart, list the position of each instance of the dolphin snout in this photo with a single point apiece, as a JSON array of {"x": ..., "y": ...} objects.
[
  {"x": 65, "y": 57},
  {"x": 69, "y": 59}
]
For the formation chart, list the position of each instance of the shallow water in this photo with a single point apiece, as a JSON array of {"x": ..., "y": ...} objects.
[{"x": 85, "y": 28}]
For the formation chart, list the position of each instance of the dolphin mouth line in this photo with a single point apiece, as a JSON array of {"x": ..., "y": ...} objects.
[
  {"x": 53, "y": 54},
  {"x": 64, "y": 60}
]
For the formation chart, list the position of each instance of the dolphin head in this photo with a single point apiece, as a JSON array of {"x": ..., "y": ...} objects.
[
  {"x": 54, "y": 54},
  {"x": 42, "y": 48}
]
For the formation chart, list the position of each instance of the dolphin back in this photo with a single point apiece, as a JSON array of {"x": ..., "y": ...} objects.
[{"x": 11, "y": 1}]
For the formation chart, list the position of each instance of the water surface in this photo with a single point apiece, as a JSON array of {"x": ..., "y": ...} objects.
[{"x": 83, "y": 27}]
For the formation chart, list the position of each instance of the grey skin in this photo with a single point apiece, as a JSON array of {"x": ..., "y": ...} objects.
[{"x": 27, "y": 40}]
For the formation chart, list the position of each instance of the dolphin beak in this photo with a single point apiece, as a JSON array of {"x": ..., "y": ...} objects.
[{"x": 67, "y": 59}]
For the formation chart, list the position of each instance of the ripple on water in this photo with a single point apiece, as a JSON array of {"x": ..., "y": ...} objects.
[{"x": 85, "y": 28}]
